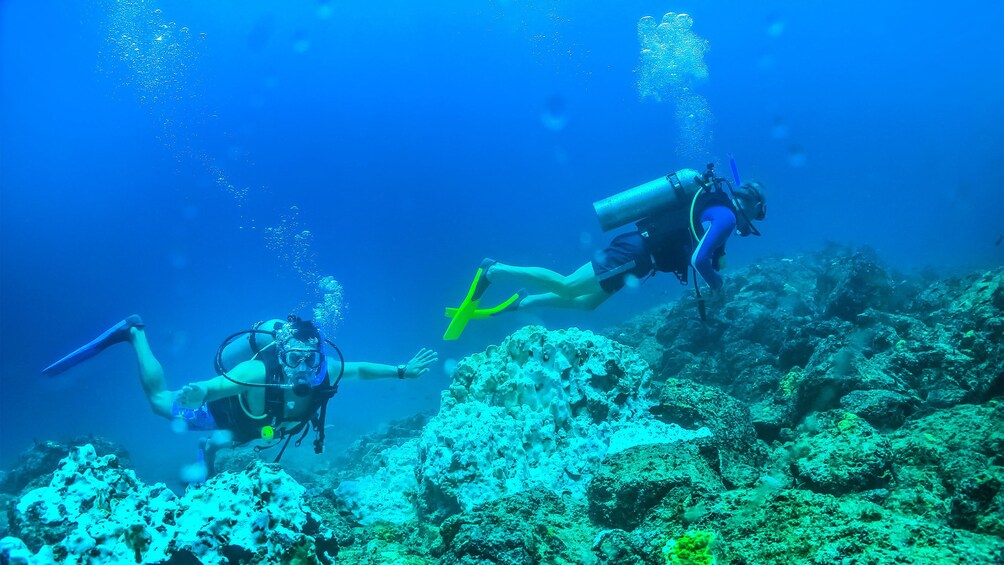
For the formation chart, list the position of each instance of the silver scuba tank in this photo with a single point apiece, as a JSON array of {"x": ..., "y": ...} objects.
[
  {"x": 240, "y": 350},
  {"x": 674, "y": 189}
]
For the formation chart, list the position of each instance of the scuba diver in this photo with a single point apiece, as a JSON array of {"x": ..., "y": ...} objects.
[
  {"x": 683, "y": 221},
  {"x": 273, "y": 382}
]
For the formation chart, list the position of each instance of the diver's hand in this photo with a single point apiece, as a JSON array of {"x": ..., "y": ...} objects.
[
  {"x": 192, "y": 396},
  {"x": 420, "y": 363}
]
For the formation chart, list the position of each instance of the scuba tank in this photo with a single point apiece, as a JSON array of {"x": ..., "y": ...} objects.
[
  {"x": 241, "y": 349},
  {"x": 633, "y": 204}
]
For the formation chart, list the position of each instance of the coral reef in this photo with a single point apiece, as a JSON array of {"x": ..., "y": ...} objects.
[
  {"x": 833, "y": 411},
  {"x": 94, "y": 510},
  {"x": 36, "y": 464},
  {"x": 536, "y": 526},
  {"x": 540, "y": 410},
  {"x": 835, "y": 330}
]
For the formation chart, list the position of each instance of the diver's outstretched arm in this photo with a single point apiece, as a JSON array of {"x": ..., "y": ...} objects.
[
  {"x": 416, "y": 367},
  {"x": 197, "y": 393}
]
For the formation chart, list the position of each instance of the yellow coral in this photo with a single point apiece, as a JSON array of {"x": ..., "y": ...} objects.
[
  {"x": 692, "y": 548},
  {"x": 849, "y": 422},
  {"x": 790, "y": 382}
]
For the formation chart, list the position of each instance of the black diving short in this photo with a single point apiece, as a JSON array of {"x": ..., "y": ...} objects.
[{"x": 626, "y": 256}]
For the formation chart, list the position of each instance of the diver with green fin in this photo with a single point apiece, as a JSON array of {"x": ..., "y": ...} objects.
[
  {"x": 683, "y": 221},
  {"x": 273, "y": 382}
]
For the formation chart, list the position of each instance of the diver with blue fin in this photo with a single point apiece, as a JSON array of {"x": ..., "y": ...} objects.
[
  {"x": 272, "y": 382},
  {"x": 682, "y": 222}
]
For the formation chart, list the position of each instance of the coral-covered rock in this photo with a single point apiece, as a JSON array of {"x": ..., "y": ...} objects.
[
  {"x": 389, "y": 493},
  {"x": 540, "y": 410},
  {"x": 982, "y": 300},
  {"x": 851, "y": 282},
  {"x": 949, "y": 465},
  {"x": 530, "y": 527},
  {"x": 801, "y": 526},
  {"x": 800, "y": 333},
  {"x": 36, "y": 464},
  {"x": 618, "y": 546},
  {"x": 692, "y": 406},
  {"x": 631, "y": 483},
  {"x": 845, "y": 454},
  {"x": 96, "y": 511},
  {"x": 884, "y": 409}
]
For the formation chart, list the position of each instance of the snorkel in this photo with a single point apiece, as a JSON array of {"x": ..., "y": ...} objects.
[
  {"x": 748, "y": 228},
  {"x": 735, "y": 169}
]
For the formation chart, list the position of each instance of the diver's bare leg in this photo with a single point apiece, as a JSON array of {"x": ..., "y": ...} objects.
[
  {"x": 551, "y": 300},
  {"x": 580, "y": 283},
  {"x": 151, "y": 374}
]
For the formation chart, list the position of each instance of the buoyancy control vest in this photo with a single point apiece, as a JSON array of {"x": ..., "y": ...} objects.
[
  {"x": 231, "y": 413},
  {"x": 672, "y": 233}
]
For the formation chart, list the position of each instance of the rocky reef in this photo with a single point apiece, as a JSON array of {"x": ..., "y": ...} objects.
[
  {"x": 95, "y": 511},
  {"x": 831, "y": 411},
  {"x": 541, "y": 410}
]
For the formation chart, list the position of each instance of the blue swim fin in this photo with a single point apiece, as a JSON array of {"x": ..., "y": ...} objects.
[{"x": 115, "y": 334}]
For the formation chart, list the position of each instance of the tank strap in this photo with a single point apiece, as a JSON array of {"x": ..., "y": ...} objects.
[
  {"x": 251, "y": 337},
  {"x": 674, "y": 181}
]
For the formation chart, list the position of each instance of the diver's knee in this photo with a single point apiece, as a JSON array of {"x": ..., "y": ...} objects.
[
  {"x": 593, "y": 301},
  {"x": 162, "y": 404},
  {"x": 573, "y": 287}
]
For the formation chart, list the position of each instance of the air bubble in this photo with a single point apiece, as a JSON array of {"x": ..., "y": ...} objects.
[
  {"x": 671, "y": 64},
  {"x": 221, "y": 438},
  {"x": 179, "y": 426},
  {"x": 196, "y": 473}
]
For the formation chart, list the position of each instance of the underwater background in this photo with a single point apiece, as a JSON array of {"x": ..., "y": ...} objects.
[{"x": 205, "y": 164}]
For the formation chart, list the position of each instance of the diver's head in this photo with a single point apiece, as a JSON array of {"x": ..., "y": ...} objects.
[
  {"x": 751, "y": 202},
  {"x": 300, "y": 347}
]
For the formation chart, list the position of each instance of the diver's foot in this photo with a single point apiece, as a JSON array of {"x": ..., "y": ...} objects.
[
  {"x": 122, "y": 331},
  {"x": 514, "y": 305},
  {"x": 483, "y": 282}
]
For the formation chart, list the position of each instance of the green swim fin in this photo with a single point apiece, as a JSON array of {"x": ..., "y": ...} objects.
[
  {"x": 482, "y": 313},
  {"x": 463, "y": 313},
  {"x": 478, "y": 314}
]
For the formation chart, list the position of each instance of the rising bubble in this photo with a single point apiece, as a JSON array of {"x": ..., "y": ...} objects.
[
  {"x": 196, "y": 473},
  {"x": 671, "y": 65}
]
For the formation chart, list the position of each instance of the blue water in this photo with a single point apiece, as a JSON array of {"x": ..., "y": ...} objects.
[{"x": 411, "y": 141}]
